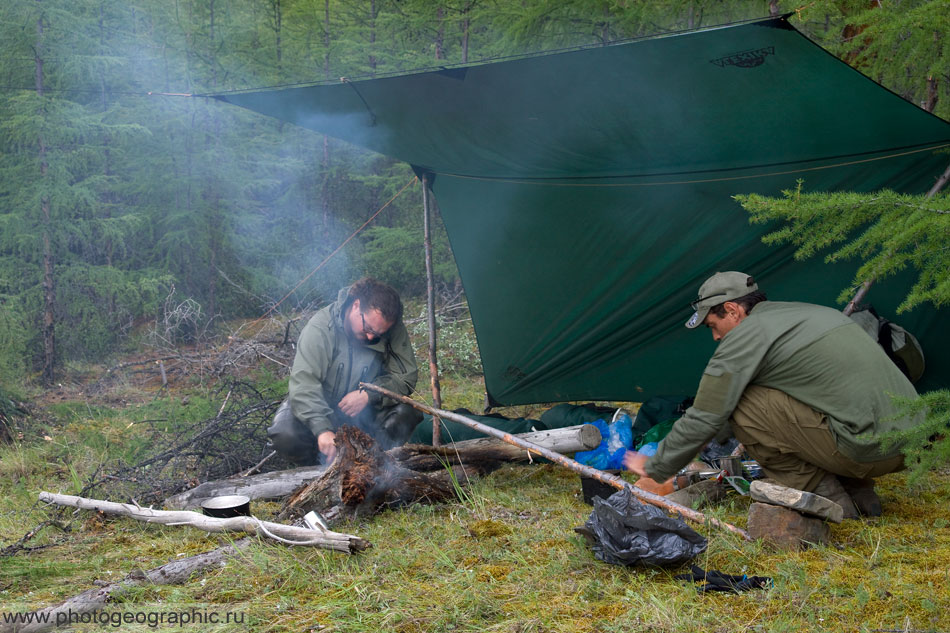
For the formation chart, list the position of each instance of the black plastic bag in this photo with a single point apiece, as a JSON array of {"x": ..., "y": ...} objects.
[{"x": 624, "y": 531}]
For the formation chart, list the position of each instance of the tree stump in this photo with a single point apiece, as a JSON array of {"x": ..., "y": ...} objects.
[{"x": 364, "y": 480}]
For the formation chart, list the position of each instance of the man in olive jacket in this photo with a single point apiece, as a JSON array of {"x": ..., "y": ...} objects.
[
  {"x": 359, "y": 338},
  {"x": 802, "y": 386}
]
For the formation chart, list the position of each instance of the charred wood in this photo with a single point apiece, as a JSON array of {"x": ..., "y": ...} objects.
[{"x": 363, "y": 480}]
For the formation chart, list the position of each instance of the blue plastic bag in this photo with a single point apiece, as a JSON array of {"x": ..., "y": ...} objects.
[
  {"x": 617, "y": 438},
  {"x": 599, "y": 457}
]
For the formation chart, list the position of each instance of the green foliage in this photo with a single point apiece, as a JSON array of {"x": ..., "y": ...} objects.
[
  {"x": 556, "y": 23},
  {"x": 887, "y": 231},
  {"x": 927, "y": 445},
  {"x": 898, "y": 43},
  {"x": 457, "y": 347},
  {"x": 13, "y": 344}
]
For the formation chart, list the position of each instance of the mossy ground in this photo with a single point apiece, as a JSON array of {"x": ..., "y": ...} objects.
[{"x": 506, "y": 559}]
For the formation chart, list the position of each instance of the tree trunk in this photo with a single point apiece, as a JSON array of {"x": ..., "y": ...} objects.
[
  {"x": 486, "y": 452},
  {"x": 49, "y": 288},
  {"x": 278, "y": 20},
  {"x": 273, "y": 485},
  {"x": 372, "y": 37},
  {"x": 466, "y": 21},
  {"x": 440, "y": 34}
]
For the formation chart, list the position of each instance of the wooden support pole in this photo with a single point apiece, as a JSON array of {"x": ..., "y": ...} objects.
[
  {"x": 587, "y": 471},
  {"x": 430, "y": 314}
]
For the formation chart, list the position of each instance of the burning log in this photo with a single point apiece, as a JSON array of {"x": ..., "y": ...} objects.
[{"x": 363, "y": 479}]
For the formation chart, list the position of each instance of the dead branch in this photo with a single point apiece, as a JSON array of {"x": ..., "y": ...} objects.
[
  {"x": 253, "y": 469},
  {"x": 288, "y": 534},
  {"x": 174, "y": 572},
  {"x": 940, "y": 183},
  {"x": 20, "y": 545}
]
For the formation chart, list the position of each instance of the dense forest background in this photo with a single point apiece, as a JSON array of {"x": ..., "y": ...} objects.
[{"x": 124, "y": 193}]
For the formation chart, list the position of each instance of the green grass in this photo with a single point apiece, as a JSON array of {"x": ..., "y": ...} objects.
[
  {"x": 505, "y": 559},
  {"x": 508, "y": 560}
]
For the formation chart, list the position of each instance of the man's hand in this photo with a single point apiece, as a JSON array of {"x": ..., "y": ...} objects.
[
  {"x": 353, "y": 403},
  {"x": 325, "y": 442},
  {"x": 636, "y": 462}
]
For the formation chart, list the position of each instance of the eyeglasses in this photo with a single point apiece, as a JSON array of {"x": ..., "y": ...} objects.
[
  {"x": 368, "y": 329},
  {"x": 694, "y": 304}
]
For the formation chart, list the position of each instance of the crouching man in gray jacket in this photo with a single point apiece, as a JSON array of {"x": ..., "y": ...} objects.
[{"x": 358, "y": 338}]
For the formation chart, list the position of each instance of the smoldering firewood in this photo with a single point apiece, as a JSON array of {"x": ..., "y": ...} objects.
[
  {"x": 479, "y": 456},
  {"x": 363, "y": 479},
  {"x": 91, "y": 600}
]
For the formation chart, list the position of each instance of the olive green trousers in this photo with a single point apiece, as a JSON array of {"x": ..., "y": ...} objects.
[{"x": 793, "y": 443}]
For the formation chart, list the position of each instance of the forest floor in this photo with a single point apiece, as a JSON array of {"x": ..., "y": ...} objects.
[{"x": 504, "y": 558}]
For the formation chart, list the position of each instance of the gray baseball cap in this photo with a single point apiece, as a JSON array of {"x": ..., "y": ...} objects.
[{"x": 717, "y": 289}]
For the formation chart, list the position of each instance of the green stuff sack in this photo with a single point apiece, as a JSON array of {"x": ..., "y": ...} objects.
[{"x": 659, "y": 413}]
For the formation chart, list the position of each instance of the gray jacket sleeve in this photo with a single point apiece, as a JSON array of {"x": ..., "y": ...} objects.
[
  {"x": 399, "y": 372},
  {"x": 734, "y": 365},
  {"x": 310, "y": 370}
]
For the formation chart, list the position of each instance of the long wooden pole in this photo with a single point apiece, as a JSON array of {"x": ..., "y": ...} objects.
[
  {"x": 587, "y": 471},
  {"x": 430, "y": 314}
]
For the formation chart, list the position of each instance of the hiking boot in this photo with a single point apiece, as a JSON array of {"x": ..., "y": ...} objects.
[
  {"x": 830, "y": 488},
  {"x": 862, "y": 493}
]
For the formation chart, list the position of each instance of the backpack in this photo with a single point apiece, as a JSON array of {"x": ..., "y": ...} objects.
[{"x": 900, "y": 345}]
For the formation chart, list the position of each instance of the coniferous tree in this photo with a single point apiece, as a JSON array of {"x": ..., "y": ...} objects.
[{"x": 51, "y": 175}]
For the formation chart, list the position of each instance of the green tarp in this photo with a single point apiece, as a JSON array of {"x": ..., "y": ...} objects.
[{"x": 587, "y": 194}]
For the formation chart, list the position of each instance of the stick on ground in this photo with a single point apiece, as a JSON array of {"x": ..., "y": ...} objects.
[{"x": 172, "y": 573}]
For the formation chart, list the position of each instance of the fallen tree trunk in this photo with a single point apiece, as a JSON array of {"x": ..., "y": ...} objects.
[
  {"x": 482, "y": 454},
  {"x": 363, "y": 479},
  {"x": 175, "y": 572},
  {"x": 486, "y": 450},
  {"x": 272, "y": 485},
  {"x": 288, "y": 534}
]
